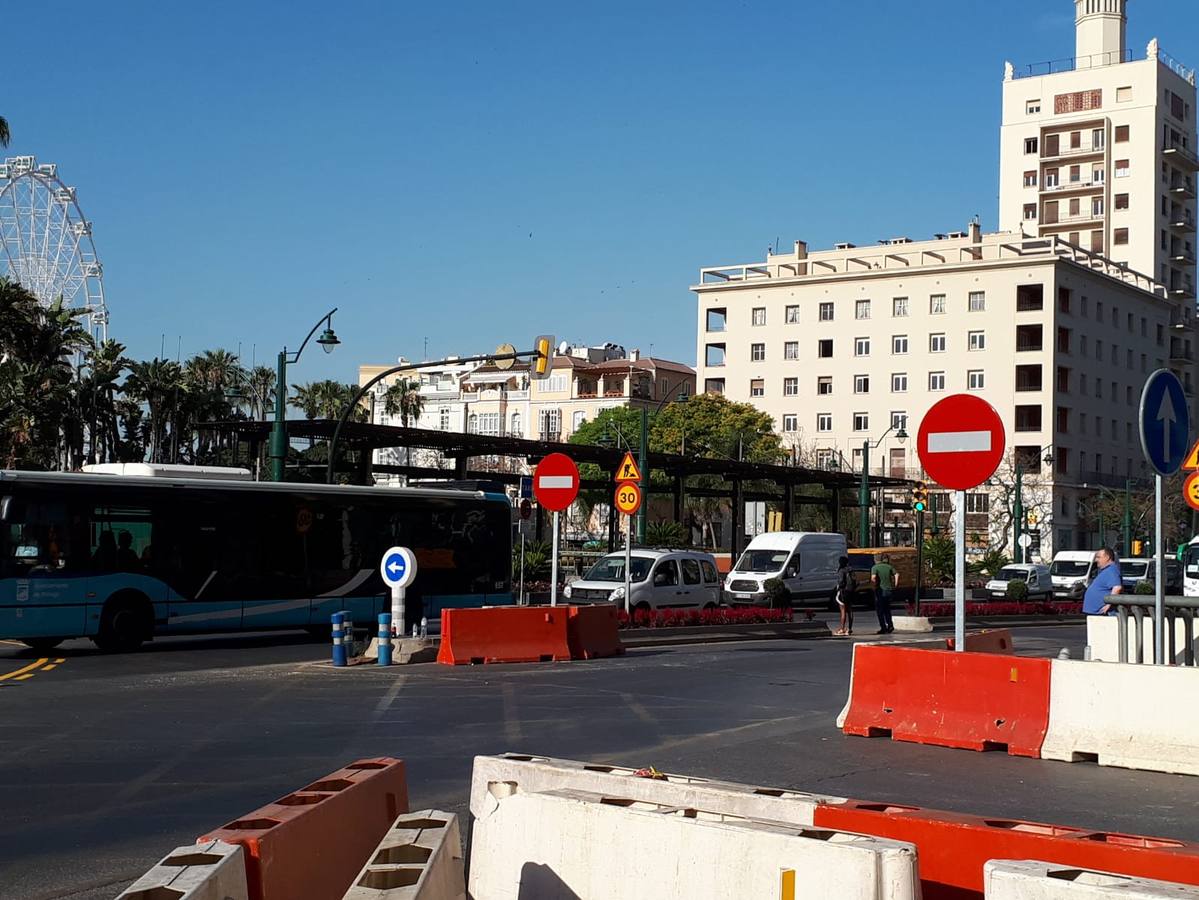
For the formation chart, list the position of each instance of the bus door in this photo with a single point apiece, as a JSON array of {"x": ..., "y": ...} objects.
[
  {"x": 203, "y": 595},
  {"x": 120, "y": 558},
  {"x": 43, "y": 574}
]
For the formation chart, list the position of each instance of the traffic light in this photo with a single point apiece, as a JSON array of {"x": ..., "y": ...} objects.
[
  {"x": 543, "y": 363},
  {"x": 920, "y": 497},
  {"x": 1137, "y": 548}
]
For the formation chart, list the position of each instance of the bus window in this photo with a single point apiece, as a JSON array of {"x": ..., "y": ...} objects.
[
  {"x": 121, "y": 539},
  {"x": 36, "y": 539}
]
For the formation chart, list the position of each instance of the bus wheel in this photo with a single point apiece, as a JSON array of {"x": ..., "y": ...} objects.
[
  {"x": 42, "y": 645},
  {"x": 127, "y": 621}
]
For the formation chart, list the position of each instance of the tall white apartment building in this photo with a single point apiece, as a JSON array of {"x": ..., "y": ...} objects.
[
  {"x": 845, "y": 346},
  {"x": 1100, "y": 150}
]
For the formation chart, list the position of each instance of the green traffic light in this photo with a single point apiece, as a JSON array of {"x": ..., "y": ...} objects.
[{"x": 918, "y": 506}]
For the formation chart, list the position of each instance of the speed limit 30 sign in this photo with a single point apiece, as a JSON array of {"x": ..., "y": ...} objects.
[{"x": 628, "y": 498}]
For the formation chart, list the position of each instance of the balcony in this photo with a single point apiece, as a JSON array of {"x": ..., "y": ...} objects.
[
  {"x": 516, "y": 395},
  {"x": 1186, "y": 257},
  {"x": 1029, "y": 339},
  {"x": 1067, "y": 187},
  {"x": 1180, "y": 352},
  {"x": 1182, "y": 189},
  {"x": 1184, "y": 226},
  {"x": 1184, "y": 291},
  {"x": 1074, "y": 153},
  {"x": 1182, "y": 157},
  {"x": 1076, "y": 221}
]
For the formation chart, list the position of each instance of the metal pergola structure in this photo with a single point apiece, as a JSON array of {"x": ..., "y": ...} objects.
[{"x": 740, "y": 480}]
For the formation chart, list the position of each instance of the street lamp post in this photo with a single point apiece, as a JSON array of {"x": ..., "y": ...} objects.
[
  {"x": 1018, "y": 510},
  {"x": 643, "y": 453},
  {"x": 864, "y": 486},
  {"x": 328, "y": 340}
]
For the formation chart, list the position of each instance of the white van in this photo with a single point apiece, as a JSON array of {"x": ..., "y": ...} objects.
[
  {"x": 1071, "y": 572},
  {"x": 1035, "y": 576},
  {"x": 807, "y": 562}
]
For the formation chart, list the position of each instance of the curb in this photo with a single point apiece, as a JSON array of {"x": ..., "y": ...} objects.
[{"x": 711, "y": 634}]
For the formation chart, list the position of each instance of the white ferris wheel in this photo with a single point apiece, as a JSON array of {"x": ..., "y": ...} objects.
[{"x": 46, "y": 243}]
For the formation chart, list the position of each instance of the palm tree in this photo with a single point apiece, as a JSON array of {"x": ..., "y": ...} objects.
[
  {"x": 261, "y": 383},
  {"x": 403, "y": 398},
  {"x": 156, "y": 384},
  {"x": 97, "y": 391},
  {"x": 5, "y": 135},
  {"x": 306, "y": 398}
]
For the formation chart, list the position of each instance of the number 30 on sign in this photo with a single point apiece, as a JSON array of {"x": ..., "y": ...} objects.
[{"x": 628, "y": 498}]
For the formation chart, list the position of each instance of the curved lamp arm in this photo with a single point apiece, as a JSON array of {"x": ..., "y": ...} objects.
[{"x": 327, "y": 317}]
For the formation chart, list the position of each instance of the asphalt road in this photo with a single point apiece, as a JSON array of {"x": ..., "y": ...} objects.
[{"x": 110, "y": 761}]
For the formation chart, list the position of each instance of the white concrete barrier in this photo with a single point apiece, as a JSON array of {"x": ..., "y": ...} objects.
[
  {"x": 586, "y": 846},
  {"x": 912, "y": 624},
  {"x": 502, "y": 776},
  {"x": 1026, "y": 880},
  {"x": 1123, "y": 714},
  {"x": 1104, "y": 638},
  {"x": 213, "y": 870},
  {"x": 420, "y": 858}
]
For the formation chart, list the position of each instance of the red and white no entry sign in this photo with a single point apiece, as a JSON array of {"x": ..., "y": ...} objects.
[
  {"x": 556, "y": 482},
  {"x": 961, "y": 442}
]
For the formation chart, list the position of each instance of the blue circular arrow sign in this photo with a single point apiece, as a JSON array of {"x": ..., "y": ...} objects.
[
  {"x": 1165, "y": 422},
  {"x": 398, "y": 567}
]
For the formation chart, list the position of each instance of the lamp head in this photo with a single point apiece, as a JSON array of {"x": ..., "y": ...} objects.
[
  {"x": 328, "y": 340},
  {"x": 902, "y": 434}
]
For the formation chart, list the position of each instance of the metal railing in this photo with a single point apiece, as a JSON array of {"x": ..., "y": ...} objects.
[
  {"x": 1071, "y": 63},
  {"x": 1141, "y": 605}
]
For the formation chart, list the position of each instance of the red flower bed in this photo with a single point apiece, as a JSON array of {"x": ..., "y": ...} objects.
[
  {"x": 1002, "y": 608},
  {"x": 683, "y": 618}
]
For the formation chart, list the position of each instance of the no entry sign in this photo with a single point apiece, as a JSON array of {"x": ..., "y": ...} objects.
[
  {"x": 556, "y": 482},
  {"x": 961, "y": 442}
]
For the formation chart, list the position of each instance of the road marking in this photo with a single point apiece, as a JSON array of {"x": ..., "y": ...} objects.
[
  {"x": 26, "y": 675},
  {"x": 512, "y": 730},
  {"x": 959, "y": 442},
  {"x": 29, "y": 668},
  {"x": 13, "y": 643},
  {"x": 59, "y": 662},
  {"x": 387, "y": 699},
  {"x": 49, "y": 667}
]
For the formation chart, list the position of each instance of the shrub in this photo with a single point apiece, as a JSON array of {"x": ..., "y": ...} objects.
[
  {"x": 665, "y": 534},
  {"x": 776, "y": 593},
  {"x": 1017, "y": 591},
  {"x": 537, "y": 560},
  {"x": 1002, "y": 608},
  {"x": 681, "y": 618},
  {"x": 1144, "y": 587},
  {"x": 992, "y": 561}
]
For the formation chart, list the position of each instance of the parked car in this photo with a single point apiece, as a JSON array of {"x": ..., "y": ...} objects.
[
  {"x": 807, "y": 562},
  {"x": 1134, "y": 571},
  {"x": 659, "y": 579},
  {"x": 1071, "y": 572},
  {"x": 1037, "y": 577}
]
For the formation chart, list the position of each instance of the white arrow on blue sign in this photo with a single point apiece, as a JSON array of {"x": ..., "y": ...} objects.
[
  {"x": 398, "y": 567},
  {"x": 1165, "y": 422}
]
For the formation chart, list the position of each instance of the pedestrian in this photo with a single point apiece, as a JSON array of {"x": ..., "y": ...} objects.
[
  {"x": 846, "y": 587},
  {"x": 1106, "y": 581},
  {"x": 885, "y": 579}
]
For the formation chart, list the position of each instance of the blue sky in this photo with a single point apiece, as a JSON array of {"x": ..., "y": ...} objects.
[{"x": 473, "y": 173}]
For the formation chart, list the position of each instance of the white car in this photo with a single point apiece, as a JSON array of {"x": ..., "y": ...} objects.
[
  {"x": 1040, "y": 585},
  {"x": 660, "y": 579}
]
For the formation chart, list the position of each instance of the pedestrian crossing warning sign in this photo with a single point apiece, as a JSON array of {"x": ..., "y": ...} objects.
[
  {"x": 628, "y": 471},
  {"x": 1192, "y": 461}
]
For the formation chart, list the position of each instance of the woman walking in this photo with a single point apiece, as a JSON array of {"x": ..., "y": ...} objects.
[{"x": 845, "y": 592}]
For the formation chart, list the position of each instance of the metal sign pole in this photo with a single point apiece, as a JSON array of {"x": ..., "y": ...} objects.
[
  {"x": 397, "y": 611},
  {"x": 1159, "y": 635},
  {"x": 628, "y": 565},
  {"x": 554, "y": 566},
  {"x": 522, "y": 566},
  {"x": 959, "y": 580}
]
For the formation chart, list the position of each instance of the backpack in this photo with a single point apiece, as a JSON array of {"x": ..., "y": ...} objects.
[{"x": 846, "y": 584}]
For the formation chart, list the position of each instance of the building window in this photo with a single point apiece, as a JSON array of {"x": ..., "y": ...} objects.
[
  {"x": 1122, "y": 168},
  {"x": 936, "y": 304},
  {"x": 1063, "y": 300},
  {"x": 759, "y": 315},
  {"x": 825, "y": 458},
  {"x": 1030, "y": 211},
  {"x": 791, "y": 350},
  {"x": 790, "y": 423},
  {"x": 978, "y": 503},
  {"x": 1123, "y": 94},
  {"x": 792, "y": 315},
  {"x": 936, "y": 343},
  {"x": 790, "y": 387},
  {"x": 899, "y": 383},
  {"x": 1098, "y": 139},
  {"x": 825, "y": 349},
  {"x": 757, "y": 388},
  {"x": 1079, "y": 101},
  {"x": 1097, "y": 206},
  {"x": 1051, "y": 178},
  {"x": 861, "y": 309},
  {"x": 899, "y": 420},
  {"x": 1032, "y": 107},
  {"x": 824, "y": 385},
  {"x": 1121, "y": 201},
  {"x": 861, "y": 346},
  {"x": 936, "y": 381},
  {"x": 824, "y": 422},
  {"x": 757, "y": 352},
  {"x": 516, "y": 430},
  {"x": 1028, "y": 418},
  {"x": 1030, "y": 178},
  {"x": 549, "y": 424},
  {"x": 826, "y": 312},
  {"x": 975, "y": 380},
  {"x": 978, "y": 340},
  {"x": 713, "y": 385},
  {"x": 717, "y": 319},
  {"x": 861, "y": 421},
  {"x": 1121, "y": 134},
  {"x": 861, "y": 384},
  {"x": 899, "y": 344},
  {"x": 714, "y": 355},
  {"x": 579, "y": 419},
  {"x": 443, "y": 417},
  {"x": 978, "y": 301},
  {"x": 1031, "y": 145},
  {"x": 1120, "y": 236},
  {"x": 899, "y": 306}
]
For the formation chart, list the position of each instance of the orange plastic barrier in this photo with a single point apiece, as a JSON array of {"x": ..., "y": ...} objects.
[
  {"x": 593, "y": 632},
  {"x": 998, "y": 640},
  {"x": 972, "y": 701},
  {"x": 504, "y": 634},
  {"x": 313, "y": 842},
  {"x": 953, "y": 848}
]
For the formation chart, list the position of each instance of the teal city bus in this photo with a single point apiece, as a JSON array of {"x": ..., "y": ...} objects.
[{"x": 120, "y": 559}]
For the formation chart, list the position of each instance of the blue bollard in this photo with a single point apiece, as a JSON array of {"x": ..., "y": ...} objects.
[
  {"x": 339, "y": 647},
  {"x": 385, "y": 639}
]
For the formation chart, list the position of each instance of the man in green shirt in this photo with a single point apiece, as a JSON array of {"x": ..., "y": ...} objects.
[{"x": 885, "y": 579}]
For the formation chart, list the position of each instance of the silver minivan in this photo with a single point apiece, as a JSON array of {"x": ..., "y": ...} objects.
[{"x": 659, "y": 579}]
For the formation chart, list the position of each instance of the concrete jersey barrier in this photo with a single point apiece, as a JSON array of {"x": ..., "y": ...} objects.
[
  {"x": 1028, "y": 880},
  {"x": 497, "y": 777},
  {"x": 1124, "y": 714},
  {"x": 589, "y": 846},
  {"x": 420, "y": 858},
  {"x": 1103, "y": 637},
  {"x": 212, "y": 870}
]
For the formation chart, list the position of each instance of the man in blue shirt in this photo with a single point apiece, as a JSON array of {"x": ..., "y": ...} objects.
[{"x": 1107, "y": 581}]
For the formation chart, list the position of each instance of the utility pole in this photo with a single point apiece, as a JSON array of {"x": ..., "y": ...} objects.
[
  {"x": 643, "y": 463},
  {"x": 864, "y": 498},
  {"x": 1127, "y": 517},
  {"x": 1018, "y": 515}
]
